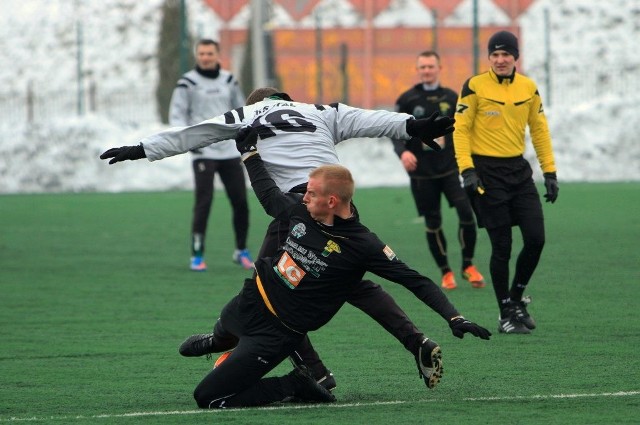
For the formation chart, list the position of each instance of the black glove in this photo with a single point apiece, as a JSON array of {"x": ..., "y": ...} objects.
[
  {"x": 551, "y": 184},
  {"x": 246, "y": 140},
  {"x": 123, "y": 153},
  {"x": 460, "y": 326},
  {"x": 472, "y": 183},
  {"x": 427, "y": 129}
]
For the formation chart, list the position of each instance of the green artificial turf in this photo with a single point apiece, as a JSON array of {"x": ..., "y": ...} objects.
[{"x": 96, "y": 296}]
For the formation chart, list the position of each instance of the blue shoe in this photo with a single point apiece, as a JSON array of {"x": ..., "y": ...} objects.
[
  {"x": 198, "y": 264},
  {"x": 243, "y": 258}
]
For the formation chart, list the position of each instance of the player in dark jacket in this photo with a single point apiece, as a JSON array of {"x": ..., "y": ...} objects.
[
  {"x": 299, "y": 290},
  {"x": 296, "y": 138},
  {"x": 434, "y": 174}
]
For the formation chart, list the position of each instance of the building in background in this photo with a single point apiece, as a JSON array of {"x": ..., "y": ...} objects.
[{"x": 363, "y": 51}]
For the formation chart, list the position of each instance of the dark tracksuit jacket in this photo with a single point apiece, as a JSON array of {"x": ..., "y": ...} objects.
[
  {"x": 298, "y": 290},
  {"x": 422, "y": 103},
  {"x": 311, "y": 277}
]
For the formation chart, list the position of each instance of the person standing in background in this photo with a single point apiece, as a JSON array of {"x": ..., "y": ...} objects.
[
  {"x": 492, "y": 114},
  {"x": 433, "y": 173},
  {"x": 202, "y": 93}
]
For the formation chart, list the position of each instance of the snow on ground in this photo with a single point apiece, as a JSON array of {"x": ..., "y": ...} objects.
[{"x": 594, "y": 117}]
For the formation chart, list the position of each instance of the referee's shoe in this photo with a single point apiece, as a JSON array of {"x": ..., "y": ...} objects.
[
  {"x": 514, "y": 319},
  {"x": 429, "y": 362}
]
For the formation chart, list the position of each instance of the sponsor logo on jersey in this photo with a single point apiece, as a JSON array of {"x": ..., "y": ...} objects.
[
  {"x": 299, "y": 230},
  {"x": 461, "y": 108},
  {"x": 330, "y": 247},
  {"x": 389, "y": 253},
  {"x": 290, "y": 273},
  {"x": 418, "y": 111},
  {"x": 492, "y": 113}
]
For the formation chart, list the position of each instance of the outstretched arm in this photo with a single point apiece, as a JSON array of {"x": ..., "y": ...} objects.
[
  {"x": 178, "y": 140},
  {"x": 384, "y": 263}
]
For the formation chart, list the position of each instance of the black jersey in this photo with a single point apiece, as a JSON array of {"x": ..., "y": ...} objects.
[
  {"x": 311, "y": 276},
  {"x": 422, "y": 103}
]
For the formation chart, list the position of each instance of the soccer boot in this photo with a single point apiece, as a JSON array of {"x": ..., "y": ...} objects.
[
  {"x": 243, "y": 258},
  {"x": 523, "y": 315},
  {"x": 324, "y": 377},
  {"x": 509, "y": 321},
  {"x": 198, "y": 264},
  {"x": 198, "y": 345},
  {"x": 327, "y": 381},
  {"x": 474, "y": 277},
  {"x": 429, "y": 362},
  {"x": 449, "y": 281},
  {"x": 306, "y": 388}
]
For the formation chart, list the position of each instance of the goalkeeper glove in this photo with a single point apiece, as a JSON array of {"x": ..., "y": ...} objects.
[
  {"x": 427, "y": 129},
  {"x": 472, "y": 183},
  {"x": 124, "y": 153},
  {"x": 551, "y": 184},
  {"x": 246, "y": 141},
  {"x": 460, "y": 326}
]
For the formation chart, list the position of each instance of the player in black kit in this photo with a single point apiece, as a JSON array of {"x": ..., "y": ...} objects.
[
  {"x": 299, "y": 290},
  {"x": 434, "y": 174}
]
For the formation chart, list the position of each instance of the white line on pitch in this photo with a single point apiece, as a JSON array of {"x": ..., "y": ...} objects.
[{"x": 315, "y": 406}]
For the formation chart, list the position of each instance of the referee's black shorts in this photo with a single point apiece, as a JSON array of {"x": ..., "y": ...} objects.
[{"x": 510, "y": 196}]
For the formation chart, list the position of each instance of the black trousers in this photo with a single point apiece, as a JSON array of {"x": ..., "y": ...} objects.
[
  {"x": 369, "y": 297},
  {"x": 510, "y": 199},
  {"x": 259, "y": 344},
  {"x": 427, "y": 194},
  {"x": 232, "y": 176}
]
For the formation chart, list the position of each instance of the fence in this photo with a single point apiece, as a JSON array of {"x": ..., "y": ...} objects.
[
  {"x": 129, "y": 108},
  {"x": 137, "y": 106}
]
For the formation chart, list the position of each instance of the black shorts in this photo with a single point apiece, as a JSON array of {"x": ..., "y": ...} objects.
[
  {"x": 510, "y": 196},
  {"x": 427, "y": 192}
]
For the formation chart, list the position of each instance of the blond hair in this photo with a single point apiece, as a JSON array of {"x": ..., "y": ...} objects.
[{"x": 337, "y": 180}]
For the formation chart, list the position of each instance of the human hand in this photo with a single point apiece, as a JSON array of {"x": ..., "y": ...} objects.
[
  {"x": 246, "y": 140},
  {"x": 409, "y": 161},
  {"x": 124, "y": 153},
  {"x": 472, "y": 183},
  {"x": 427, "y": 129},
  {"x": 460, "y": 326},
  {"x": 551, "y": 184}
]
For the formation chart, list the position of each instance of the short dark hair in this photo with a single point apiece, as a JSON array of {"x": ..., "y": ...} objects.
[
  {"x": 429, "y": 54},
  {"x": 207, "y": 42},
  {"x": 259, "y": 94}
]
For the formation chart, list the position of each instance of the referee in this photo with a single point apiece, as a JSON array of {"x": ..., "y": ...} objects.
[{"x": 493, "y": 111}]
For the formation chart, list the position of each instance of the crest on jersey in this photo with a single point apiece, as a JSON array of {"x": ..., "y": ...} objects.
[
  {"x": 444, "y": 108},
  {"x": 330, "y": 247},
  {"x": 299, "y": 230}
]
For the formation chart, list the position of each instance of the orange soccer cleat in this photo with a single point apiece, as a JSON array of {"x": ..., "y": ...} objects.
[
  {"x": 449, "y": 281},
  {"x": 473, "y": 276}
]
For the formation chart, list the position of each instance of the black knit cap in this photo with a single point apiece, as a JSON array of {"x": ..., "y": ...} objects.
[{"x": 504, "y": 40}]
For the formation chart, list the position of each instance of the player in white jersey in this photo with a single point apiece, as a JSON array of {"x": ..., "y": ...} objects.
[
  {"x": 296, "y": 138},
  {"x": 201, "y": 93}
]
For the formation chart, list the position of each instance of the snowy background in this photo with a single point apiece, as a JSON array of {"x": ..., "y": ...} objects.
[{"x": 594, "y": 116}]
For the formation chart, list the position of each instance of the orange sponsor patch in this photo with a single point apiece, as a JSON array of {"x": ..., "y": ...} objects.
[{"x": 290, "y": 272}]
